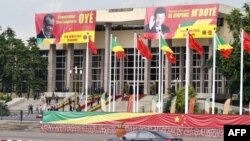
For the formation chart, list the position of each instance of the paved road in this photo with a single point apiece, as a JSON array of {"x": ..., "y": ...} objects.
[{"x": 37, "y": 136}]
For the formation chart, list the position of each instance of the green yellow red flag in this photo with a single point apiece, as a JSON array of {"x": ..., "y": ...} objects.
[
  {"x": 169, "y": 52},
  {"x": 224, "y": 48},
  {"x": 118, "y": 49}
]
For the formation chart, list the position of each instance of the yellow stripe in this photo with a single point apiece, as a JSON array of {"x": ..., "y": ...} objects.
[
  {"x": 103, "y": 118},
  {"x": 117, "y": 49},
  {"x": 166, "y": 48},
  {"x": 225, "y": 46}
]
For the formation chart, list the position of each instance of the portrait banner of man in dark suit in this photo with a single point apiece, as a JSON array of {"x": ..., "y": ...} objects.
[
  {"x": 48, "y": 26},
  {"x": 156, "y": 22}
]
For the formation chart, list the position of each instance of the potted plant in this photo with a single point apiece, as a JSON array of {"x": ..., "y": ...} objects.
[{"x": 120, "y": 130}]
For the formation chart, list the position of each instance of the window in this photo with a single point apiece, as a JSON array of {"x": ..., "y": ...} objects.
[
  {"x": 97, "y": 64},
  {"x": 130, "y": 135},
  {"x": 60, "y": 70},
  {"x": 145, "y": 135}
]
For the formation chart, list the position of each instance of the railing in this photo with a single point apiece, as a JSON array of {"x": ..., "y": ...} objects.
[{"x": 21, "y": 115}]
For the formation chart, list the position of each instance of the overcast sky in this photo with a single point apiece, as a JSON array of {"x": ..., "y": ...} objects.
[{"x": 20, "y": 14}]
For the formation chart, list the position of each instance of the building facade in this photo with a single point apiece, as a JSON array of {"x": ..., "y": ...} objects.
[{"x": 66, "y": 60}]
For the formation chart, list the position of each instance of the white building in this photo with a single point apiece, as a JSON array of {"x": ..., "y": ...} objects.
[{"x": 122, "y": 23}]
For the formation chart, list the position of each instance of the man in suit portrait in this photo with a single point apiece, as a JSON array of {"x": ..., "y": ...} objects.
[
  {"x": 48, "y": 26},
  {"x": 156, "y": 23}
]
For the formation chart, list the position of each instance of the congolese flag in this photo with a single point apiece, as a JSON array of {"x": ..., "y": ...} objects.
[
  {"x": 224, "y": 48},
  {"x": 118, "y": 49},
  {"x": 169, "y": 52}
]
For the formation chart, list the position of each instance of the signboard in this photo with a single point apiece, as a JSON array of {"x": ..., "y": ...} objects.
[
  {"x": 65, "y": 27},
  {"x": 173, "y": 21}
]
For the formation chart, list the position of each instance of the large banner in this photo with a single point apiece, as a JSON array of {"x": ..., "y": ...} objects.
[
  {"x": 145, "y": 119},
  {"x": 65, "y": 27},
  {"x": 173, "y": 21}
]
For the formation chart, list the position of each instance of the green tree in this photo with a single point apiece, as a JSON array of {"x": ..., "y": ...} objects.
[
  {"x": 22, "y": 68},
  {"x": 230, "y": 68},
  {"x": 7, "y": 60},
  {"x": 38, "y": 68},
  {"x": 180, "y": 101}
]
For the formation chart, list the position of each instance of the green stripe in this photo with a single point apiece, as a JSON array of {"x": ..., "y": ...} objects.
[
  {"x": 222, "y": 44},
  {"x": 164, "y": 45},
  {"x": 52, "y": 116},
  {"x": 189, "y": 23},
  {"x": 219, "y": 40},
  {"x": 163, "y": 42},
  {"x": 116, "y": 47}
]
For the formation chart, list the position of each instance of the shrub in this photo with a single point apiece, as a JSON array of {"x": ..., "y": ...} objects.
[
  {"x": 4, "y": 111},
  {"x": 180, "y": 101},
  {"x": 5, "y": 97}
]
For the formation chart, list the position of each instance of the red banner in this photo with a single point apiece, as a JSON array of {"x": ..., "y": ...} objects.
[
  {"x": 184, "y": 120},
  {"x": 65, "y": 27},
  {"x": 173, "y": 21}
]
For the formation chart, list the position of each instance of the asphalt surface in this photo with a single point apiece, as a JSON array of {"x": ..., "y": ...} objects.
[{"x": 37, "y": 136}]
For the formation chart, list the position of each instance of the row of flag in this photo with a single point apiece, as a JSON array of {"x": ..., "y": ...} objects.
[{"x": 224, "y": 48}]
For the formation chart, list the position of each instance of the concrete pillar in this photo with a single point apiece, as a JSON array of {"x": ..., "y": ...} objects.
[
  {"x": 84, "y": 70},
  {"x": 121, "y": 77},
  {"x": 102, "y": 68},
  {"x": 202, "y": 73},
  {"x": 210, "y": 71},
  {"x": 167, "y": 71},
  {"x": 69, "y": 66},
  {"x": 191, "y": 68},
  {"x": 181, "y": 74},
  {"x": 90, "y": 69},
  {"x": 52, "y": 68},
  {"x": 107, "y": 54},
  {"x": 147, "y": 73}
]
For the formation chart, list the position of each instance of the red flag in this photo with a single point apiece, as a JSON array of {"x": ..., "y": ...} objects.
[
  {"x": 246, "y": 42},
  {"x": 193, "y": 44},
  {"x": 92, "y": 46},
  {"x": 143, "y": 49},
  {"x": 121, "y": 54},
  {"x": 171, "y": 57}
]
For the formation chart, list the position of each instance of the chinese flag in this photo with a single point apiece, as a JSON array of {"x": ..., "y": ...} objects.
[
  {"x": 246, "y": 42},
  {"x": 143, "y": 49},
  {"x": 92, "y": 46},
  {"x": 193, "y": 44}
]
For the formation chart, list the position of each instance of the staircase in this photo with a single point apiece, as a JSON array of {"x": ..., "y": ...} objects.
[
  {"x": 121, "y": 105},
  {"x": 22, "y": 104}
]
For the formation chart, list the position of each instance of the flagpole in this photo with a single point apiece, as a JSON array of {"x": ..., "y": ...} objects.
[
  {"x": 110, "y": 65},
  {"x": 241, "y": 69},
  {"x": 135, "y": 43},
  {"x": 86, "y": 74},
  {"x": 214, "y": 64},
  {"x": 137, "y": 82},
  {"x": 114, "y": 92},
  {"x": 159, "y": 75},
  {"x": 162, "y": 80},
  {"x": 187, "y": 71}
]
